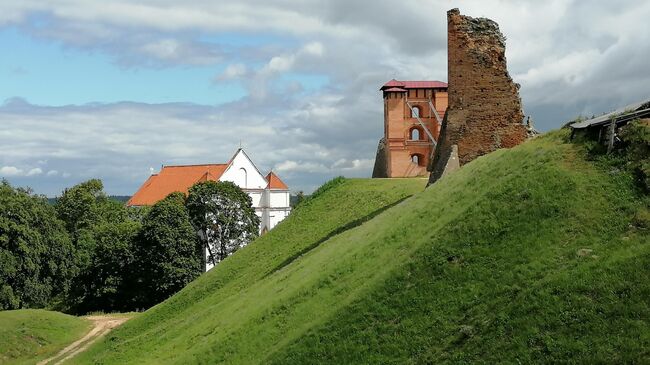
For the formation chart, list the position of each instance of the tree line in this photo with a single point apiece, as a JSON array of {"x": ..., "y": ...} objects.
[{"x": 89, "y": 253}]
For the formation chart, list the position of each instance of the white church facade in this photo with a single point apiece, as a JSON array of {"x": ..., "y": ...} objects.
[{"x": 269, "y": 194}]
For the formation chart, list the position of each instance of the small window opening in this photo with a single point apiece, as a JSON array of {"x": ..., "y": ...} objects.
[
  {"x": 417, "y": 159},
  {"x": 415, "y": 112},
  {"x": 415, "y": 134}
]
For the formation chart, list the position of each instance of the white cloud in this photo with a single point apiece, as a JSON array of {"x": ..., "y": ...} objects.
[
  {"x": 314, "y": 49},
  {"x": 52, "y": 173},
  {"x": 233, "y": 71},
  {"x": 35, "y": 171},
  {"x": 164, "y": 48},
  {"x": 569, "y": 56},
  {"x": 10, "y": 171},
  {"x": 280, "y": 63}
]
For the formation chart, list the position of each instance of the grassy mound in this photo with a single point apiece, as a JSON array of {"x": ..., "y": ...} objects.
[
  {"x": 29, "y": 335},
  {"x": 526, "y": 255}
]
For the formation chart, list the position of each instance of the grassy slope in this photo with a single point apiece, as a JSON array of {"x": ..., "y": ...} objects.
[
  {"x": 525, "y": 255},
  {"x": 174, "y": 323},
  {"x": 29, "y": 335}
]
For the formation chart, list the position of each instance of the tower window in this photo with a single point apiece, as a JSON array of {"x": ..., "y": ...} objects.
[
  {"x": 415, "y": 134},
  {"x": 415, "y": 112},
  {"x": 417, "y": 159}
]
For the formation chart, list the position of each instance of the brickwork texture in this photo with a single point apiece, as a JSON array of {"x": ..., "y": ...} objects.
[{"x": 484, "y": 112}]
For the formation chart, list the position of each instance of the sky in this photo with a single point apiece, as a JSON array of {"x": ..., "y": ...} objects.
[{"x": 114, "y": 89}]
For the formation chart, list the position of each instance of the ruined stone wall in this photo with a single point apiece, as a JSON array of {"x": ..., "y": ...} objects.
[
  {"x": 381, "y": 164},
  {"x": 484, "y": 111}
]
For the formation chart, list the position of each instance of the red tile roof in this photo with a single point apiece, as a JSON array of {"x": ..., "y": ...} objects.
[
  {"x": 275, "y": 182},
  {"x": 174, "y": 178},
  {"x": 414, "y": 84}
]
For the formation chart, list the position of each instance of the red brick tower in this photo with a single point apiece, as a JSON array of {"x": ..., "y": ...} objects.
[{"x": 412, "y": 118}]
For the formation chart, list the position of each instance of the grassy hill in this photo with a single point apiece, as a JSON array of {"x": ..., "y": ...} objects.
[
  {"x": 29, "y": 335},
  {"x": 525, "y": 255}
]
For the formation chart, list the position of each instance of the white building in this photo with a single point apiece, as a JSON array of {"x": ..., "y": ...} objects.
[{"x": 269, "y": 194}]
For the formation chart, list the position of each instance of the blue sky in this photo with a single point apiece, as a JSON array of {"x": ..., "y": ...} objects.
[{"x": 112, "y": 89}]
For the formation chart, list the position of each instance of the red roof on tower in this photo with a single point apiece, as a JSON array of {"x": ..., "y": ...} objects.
[
  {"x": 414, "y": 85},
  {"x": 275, "y": 182}
]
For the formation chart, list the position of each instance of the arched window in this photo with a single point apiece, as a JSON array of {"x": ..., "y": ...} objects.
[
  {"x": 415, "y": 112},
  {"x": 417, "y": 159},
  {"x": 243, "y": 177},
  {"x": 415, "y": 134}
]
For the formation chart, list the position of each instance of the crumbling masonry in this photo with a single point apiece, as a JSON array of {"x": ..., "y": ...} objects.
[{"x": 484, "y": 112}]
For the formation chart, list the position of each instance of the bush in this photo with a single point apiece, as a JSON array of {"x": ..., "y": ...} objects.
[{"x": 636, "y": 139}]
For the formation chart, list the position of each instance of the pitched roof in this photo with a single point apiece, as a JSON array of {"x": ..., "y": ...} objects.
[
  {"x": 174, "y": 178},
  {"x": 275, "y": 182},
  {"x": 632, "y": 111},
  {"x": 414, "y": 84}
]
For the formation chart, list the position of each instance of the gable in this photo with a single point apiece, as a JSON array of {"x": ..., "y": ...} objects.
[{"x": 243, "y": 172}]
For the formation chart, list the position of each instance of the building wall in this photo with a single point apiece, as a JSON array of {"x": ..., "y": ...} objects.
[
  {"x": 398, "y": 124},
  {"x": 243, "y": 173},
  {"x": 484, "y": 111},
  {"x": 271, "y": 206},
  {"x": 279, "y": 199}
]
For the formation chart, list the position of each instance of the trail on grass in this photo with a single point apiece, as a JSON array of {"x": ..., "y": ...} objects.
[{"x": 102, "y": 325}]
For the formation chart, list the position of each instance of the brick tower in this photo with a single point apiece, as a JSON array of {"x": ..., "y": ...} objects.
[
  {"x": 484, "y": 111},
  {"x": 412, "y": 117}
]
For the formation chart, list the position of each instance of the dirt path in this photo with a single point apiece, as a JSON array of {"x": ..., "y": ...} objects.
[{"x": 103, "y": 324}]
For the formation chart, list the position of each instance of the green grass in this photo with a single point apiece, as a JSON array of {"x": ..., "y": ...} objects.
[
  {"x": 30, "y": 335},
  {"x": 524, "y": 255}
]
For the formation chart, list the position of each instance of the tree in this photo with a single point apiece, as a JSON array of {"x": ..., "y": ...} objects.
[
  {"x": 108, "y": 280},
  {"x": 82, "y": 208},
  {"x": 224, "y": 216},
  {"x": 168, "y": 250},
  {"x": 97, "y": 226},
  {"x": 36, "y": 255}
]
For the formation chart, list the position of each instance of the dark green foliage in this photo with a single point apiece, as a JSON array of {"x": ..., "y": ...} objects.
[
  {"x": 36, "y": 255},
  {"x": 108, "y": 281},
  {"x": 636, "y": 137},
  {"x": 224, "y": 215},
  {"x": 167, "y": 256},
  {"x": 82, "y": 208},
  {"x": 99, "y": 227}
]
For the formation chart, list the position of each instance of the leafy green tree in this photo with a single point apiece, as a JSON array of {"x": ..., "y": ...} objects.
[
  {"x": 36, "y": 255},
  {"x": 224, "y": 215},
  {"x": 108, "y": 281},
  {"x": 168, "y": 251},
  {"x": 84, "y": 207},
  {"x": 90, "y": 216}
]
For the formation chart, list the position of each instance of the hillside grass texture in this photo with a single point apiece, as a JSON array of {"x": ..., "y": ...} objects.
[
  {"x": 30, "y": 335},
  {"x": 527, "y": 255}
]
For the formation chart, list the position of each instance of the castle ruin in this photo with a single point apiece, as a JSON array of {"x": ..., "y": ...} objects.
[{"x": 484, "y": 112}]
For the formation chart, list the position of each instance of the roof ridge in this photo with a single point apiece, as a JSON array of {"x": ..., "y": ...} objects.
[{"x": 198, "y": 164}]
